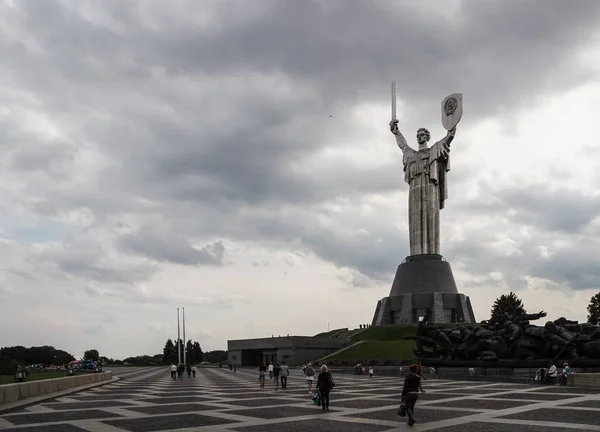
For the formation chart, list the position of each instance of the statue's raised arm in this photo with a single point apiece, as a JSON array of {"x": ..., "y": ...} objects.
[{"x": 400, "y": 140}]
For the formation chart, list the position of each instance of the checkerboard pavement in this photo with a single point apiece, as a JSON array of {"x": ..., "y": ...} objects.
[{"x": 148, "y": 400}]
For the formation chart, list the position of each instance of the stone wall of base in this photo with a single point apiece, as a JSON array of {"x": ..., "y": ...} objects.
[
  {"x": 15, "y": 392},
  {"x": 584, "y": 380}
]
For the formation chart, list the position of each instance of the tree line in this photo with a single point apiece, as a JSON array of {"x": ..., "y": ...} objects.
[{"x": 12, "y": 357}]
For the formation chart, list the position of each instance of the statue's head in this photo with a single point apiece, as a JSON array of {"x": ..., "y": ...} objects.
[{"x": 423, "y": 136}]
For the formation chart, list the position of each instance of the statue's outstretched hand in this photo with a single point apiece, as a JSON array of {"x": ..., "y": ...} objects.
[{"x": 394, "y": 126}]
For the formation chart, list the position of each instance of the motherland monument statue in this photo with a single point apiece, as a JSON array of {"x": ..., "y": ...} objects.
[
  {"x": 424, "y": 279},
  {"x": 425, "y": 171}
]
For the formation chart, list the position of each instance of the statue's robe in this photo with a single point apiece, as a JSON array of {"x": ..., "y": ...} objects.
[{"x": 425, "y": 172}]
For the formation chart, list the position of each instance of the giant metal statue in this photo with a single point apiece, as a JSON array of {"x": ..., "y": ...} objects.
[{"x": 425, "y": 171}]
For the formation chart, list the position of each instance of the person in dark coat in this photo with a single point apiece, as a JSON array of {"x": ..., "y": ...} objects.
[
  {"x": 410, "y": 391},
  {"x": 324, "y": 384}
]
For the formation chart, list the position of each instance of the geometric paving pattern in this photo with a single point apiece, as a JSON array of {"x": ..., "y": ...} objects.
[{"x": 148, "y": 400}]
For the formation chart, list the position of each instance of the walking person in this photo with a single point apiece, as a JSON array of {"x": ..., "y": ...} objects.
[
  {"x": 188, "y": 369},
  {"x": 371, "y": 372},
  {"x": 410, "y": 392},
  {"x": 325, "y": 384},
  {"x": 270, "y": 370},
  {"x": 262, "y": 370},
  {"x": 180, "y": 371},
  {"x": 310, "y": 376},
  {"x": 285, "y": 373},
  {"x": 194, "y": 371},
  {"x": 276, "y": 372},
  {"x": 173, "y": 371}
]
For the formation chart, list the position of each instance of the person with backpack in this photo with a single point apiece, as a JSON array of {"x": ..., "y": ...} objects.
[{"x": 310, "y": 376}]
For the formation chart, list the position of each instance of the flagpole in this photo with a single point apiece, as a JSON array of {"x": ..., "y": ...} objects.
[
  {"x": 178, "y": 340},
  {"x": 184, "y": 341}
]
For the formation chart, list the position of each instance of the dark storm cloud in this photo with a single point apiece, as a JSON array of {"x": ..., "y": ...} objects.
[{"x": 225, "y": 115}]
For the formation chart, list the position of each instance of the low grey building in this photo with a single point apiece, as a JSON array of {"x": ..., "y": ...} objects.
[
  {"x": 293, "y": 350},
  {"x": 424, "y": 282}
]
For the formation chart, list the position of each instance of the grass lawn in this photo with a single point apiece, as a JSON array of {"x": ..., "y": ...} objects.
[
  {"x": 378, "y": 350},
  {"x": 33, "y": 376},
  {"x": 385, "y": 333}
]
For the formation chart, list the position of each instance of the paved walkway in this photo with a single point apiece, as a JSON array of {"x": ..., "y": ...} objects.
[{"x": 147, "y": 399}]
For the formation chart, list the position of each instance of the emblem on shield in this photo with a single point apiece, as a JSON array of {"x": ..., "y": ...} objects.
[{"x": 452, "y": 110}]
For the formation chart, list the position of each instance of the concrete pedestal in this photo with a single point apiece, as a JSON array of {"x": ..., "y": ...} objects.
[{"x": 423, "y": 282}]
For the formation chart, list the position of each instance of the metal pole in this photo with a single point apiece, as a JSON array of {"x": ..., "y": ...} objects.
[
  {"x": 178, "y": 340},
  {"x": 184, "y": 341}
]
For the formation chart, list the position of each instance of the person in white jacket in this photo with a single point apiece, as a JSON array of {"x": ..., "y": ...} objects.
[{"x": 270, "y": 370}]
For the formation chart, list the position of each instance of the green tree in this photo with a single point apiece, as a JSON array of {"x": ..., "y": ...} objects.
[
  {"x": 506, "y": 304},
  {"x": 594, "y": 310},
  {"x": 91, "y": 354},
  {"x": 189, "y": 352},
  {"x": 169, "y": 352},
  {"x": 198, "y": 354}
]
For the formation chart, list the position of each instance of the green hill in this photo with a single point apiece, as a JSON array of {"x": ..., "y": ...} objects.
[
  {"x": 379, "y": 343},
  {"x": 385, "y": 333},
  {"x": 377, "y": 350}
]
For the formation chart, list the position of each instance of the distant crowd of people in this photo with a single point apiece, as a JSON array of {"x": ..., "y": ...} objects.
[{"x": 177, "y": 372}]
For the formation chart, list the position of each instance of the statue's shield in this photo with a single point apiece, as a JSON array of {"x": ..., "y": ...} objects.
[{"x": 452, "y": 110}]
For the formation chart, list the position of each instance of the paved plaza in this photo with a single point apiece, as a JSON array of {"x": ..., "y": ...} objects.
[{"x": 147, "y": 399}]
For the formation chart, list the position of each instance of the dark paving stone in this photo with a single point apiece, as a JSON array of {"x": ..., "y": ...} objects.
[
  {"x": 496, "y": 427},
  {"x": 533, "y": 396},
  {"x": 86, "y": 405},
  {"x": 437, "y": 396},
  {"x": 554, "y": 415},
  {"x": 313, "y": 426},
  {"x": 363, "y": 403},
  {"x": 243, "y": 396},
  {"x": 381, "y": 391},
  {"x": 102, "y": 398},
  {"x": 174, "y": 399},
  {"x": 172, "y": 409},
  {"x": 471, "y": 391},
  {"x": 52, "y": 428},
  {"x": 279, "y": 412},
  {"x": 565, "y": 389},
  {"x": 262, "y": 402},
  {"x": 481, "y": 404},
  {"x": 423, "y": 415},
  {"x": 584, "y": 404},
  {"x": 22, "y": 419},
  {"x": 167, "y": 422}
]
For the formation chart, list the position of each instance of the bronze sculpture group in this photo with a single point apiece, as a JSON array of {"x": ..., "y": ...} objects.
[{"x": 508, "y": 337}]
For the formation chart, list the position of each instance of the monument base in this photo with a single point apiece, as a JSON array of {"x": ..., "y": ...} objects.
[{"x": 424, "y": 282}]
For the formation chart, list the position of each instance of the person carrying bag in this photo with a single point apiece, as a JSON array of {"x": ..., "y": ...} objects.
[{"x": 410, "y": 394}]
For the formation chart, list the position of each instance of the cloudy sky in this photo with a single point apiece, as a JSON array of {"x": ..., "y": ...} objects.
[{"x": 234, "y": 157}]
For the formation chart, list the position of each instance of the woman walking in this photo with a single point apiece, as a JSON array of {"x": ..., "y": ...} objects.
[
  {"x": 325, "y": 384},
  {"x": 410, "y": 392}
]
